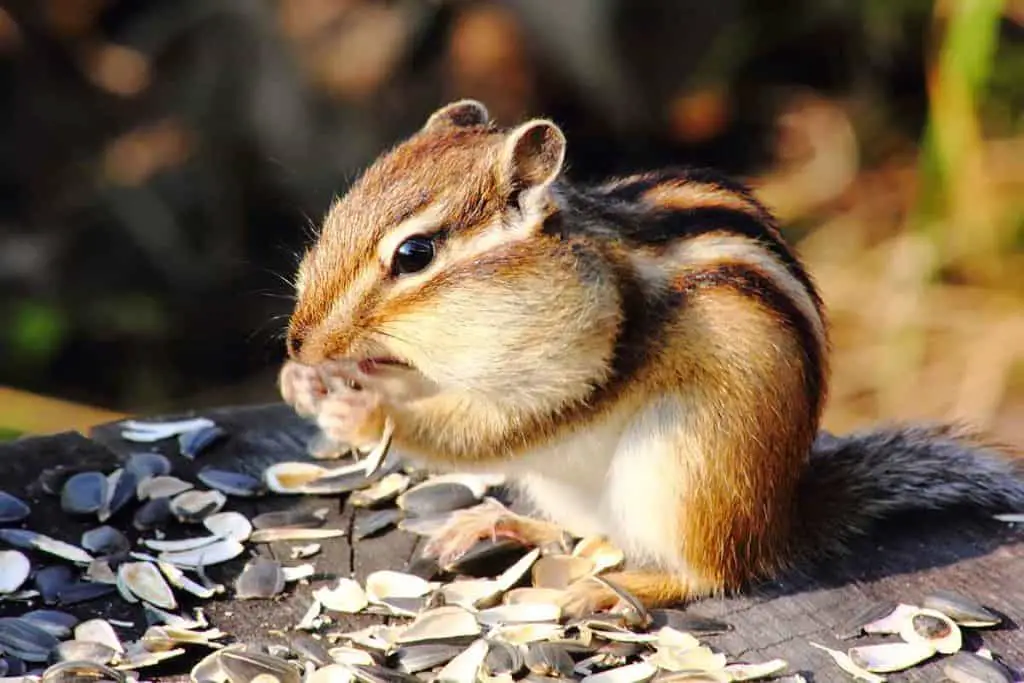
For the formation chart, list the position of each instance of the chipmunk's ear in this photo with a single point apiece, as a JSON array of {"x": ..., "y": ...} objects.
[
  {"x": 459, "y": 114},
  {"x": 533, "y": 154}
]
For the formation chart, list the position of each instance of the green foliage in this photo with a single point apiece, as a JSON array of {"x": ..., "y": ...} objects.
[
  {"x": 7, "y": 434},
  {"x": 36, "y": 332},
  {"x": 965, "y": 64}
]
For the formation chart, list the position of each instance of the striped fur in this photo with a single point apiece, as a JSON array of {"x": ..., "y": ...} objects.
[{"x": 647, "y": 357}]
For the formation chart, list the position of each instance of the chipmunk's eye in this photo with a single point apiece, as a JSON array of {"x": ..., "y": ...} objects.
[{"x": 413, "y": 255}]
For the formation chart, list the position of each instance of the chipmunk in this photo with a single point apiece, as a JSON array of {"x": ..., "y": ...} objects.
[{"x": 647, "y": 359}]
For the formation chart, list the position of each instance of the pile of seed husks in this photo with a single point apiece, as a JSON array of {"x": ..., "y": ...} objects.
[{"x": 497, "y": 621}]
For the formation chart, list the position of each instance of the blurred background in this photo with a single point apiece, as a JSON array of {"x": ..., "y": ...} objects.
[{"x": 161, "y": 163}]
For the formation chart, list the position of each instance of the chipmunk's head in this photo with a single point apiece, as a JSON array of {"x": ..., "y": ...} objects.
[{"x": 436, "y": 264}]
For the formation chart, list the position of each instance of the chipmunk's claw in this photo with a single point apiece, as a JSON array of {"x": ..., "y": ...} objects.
[{"x": 587, "y": 596}]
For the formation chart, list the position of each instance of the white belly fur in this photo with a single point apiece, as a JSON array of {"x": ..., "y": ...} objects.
[{"x": 622, "y": 479}]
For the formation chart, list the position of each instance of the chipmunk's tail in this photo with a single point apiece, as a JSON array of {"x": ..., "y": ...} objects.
[{"x": 856, "y": 480}]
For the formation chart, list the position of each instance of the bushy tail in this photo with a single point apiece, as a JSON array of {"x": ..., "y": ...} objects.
[{"x": 855, "y": 480}]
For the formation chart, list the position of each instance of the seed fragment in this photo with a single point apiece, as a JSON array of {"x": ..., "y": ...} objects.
[
  {"x": 300, "y": 519},
  {"x": 465, "y": 667},
  {"x": 84, "y": 651},
  {"x": 847, "y": 664},
  {"x": 384, "y": 584},
  {"x": 231, "y": 483},
  {"x": 293, "y": 534},
  {"x": 215, "y": 553},
  {"x": 301, "y": 552},
  {"x": 55, "y": 622},
  {"x": 415, "y": 658},
  {"x": 891, "y": 623},
  {"x": 549, "y": 659},
  {"x": 292, "y": 477},
  {"x": 888, "y": 657},
  {"x": 99, "y": 631},
  {"x": 962, "y": 610},
  {"x": 30, "y": 540},
  {"x": 163, "y": 486},
  {"x": 244, "y": 666},
  {"x": 433, "y": 497},
  {"x": 441, "y": 624},
  {"x": 518, "y": 613},
  {"x": 14, "y": 570},
  {"x": 84, "y": 493},
  {"x": 81, "y": 670},
  {"x": 687, "y": 622},
  {"x": 194, "y": 506},
  {"x": 369, "y": 524},
  {"x": 146, "y": 465},
  {"x": 558, "y": 571},
  {"x": 934, "y": 628},
  {"x": 105, "y": 540},
  {"x": 967, "y": 667},
  {"x": 176, "y": 577},
  {"x": 193, "y": 443},
  {"x": 531, "y": 594},
  {"x": 631, "y": 673},
  {"x": 383, "y": 491},
  {"x": 488, "y": 557},
  {"x": 154, "y": 513},
  {"x": 12, "y": 508},
  {"x": 261, "y": 578},
  {"x": 142, "y": 431},
  {"x": 600, "y": 551},
  {"x": 24, "y": 639},
  {"x": 347, "y": 596},
  {"x": 179, "y": 545},
  {"x": 121, "y": 488},
  {"x": 146, "y": 582},
  {"x": 504, "y": 659},
  {"x": 230, "y": 525}
]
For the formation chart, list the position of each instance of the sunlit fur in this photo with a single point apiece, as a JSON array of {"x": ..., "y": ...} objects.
[{"x": 647, "y": 358}]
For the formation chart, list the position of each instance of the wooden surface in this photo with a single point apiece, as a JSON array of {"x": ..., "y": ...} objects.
[
  {"x": 34, "y": 414},
  {"x": 980, "y": 558}
]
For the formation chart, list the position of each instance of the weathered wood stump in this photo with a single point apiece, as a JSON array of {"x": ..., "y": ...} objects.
[{"x": 977, "y": 557}]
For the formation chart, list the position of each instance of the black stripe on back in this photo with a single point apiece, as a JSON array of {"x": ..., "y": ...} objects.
[
  {"x": 751, "y": 283},
  {"x": 632, "y": 191},
  {"x": 616, "y": 214}
]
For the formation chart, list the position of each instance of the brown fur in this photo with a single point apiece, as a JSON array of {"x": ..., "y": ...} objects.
[
  {"x": 550, "y": 311},
  {"x": 623, "y": 334}
]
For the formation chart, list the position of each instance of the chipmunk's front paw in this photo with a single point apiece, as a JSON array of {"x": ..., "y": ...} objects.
[
  {"x": 490, "y": 519},
  {"x": 351, "y": 417},
  {"x": 301, "y": 388}
]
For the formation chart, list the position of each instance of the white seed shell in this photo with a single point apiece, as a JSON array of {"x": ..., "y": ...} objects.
[
  {"x": 347, "y": 596},
  {"x": 14, "y": 570},
  {"x": 231, "y": 525},
  {"x": 887, "y": 657},
  {"x": 215, "y": 553},
  {"x": 142, "y": 431},
  {"x": 948, "y": 644},
  {"x": 465, "y": 667},
  {"x": 385, "y": 584},
  {"x": 849, "y": 666},
  {"x": 440, "y": 624},
  {"x": 146, "y": 582},
  {"x": 519, "y": 613},
  {"x": 631, "y": 673},
  {"x": 293, "y": 534}
]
